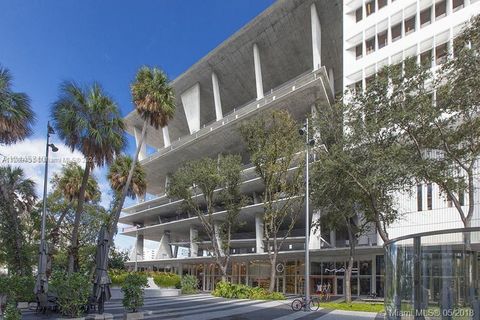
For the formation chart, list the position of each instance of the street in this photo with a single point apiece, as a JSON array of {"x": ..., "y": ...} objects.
[{"x": 205, "y": 307}]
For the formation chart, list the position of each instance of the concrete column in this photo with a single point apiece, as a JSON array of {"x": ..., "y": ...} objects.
[
  {"x": 143, "y": 151},
  {"x": 316, "y": 38},
  {"x": 331, "y": 77},
  {"x": 139, "y": 244},
  {"x": 333, "y": 238},
  {"x": 315, "y": 234},
  {"x": 216, "y": 97},
  {"x": 166, "y": 137},
  {"x": 259, "y": 232},
  {"x": 258, "y": 71},
  {"x": 193, "y": 242},
  {"x": 256, "y": 198}
]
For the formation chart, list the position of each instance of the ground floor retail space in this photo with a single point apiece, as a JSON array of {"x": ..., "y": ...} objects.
[{"x": 327, "y": 272}]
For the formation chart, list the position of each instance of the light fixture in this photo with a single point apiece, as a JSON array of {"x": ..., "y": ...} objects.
[{"x": 54, "y": 148}]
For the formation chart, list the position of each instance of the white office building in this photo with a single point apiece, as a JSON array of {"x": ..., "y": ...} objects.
[{"x": 295, "y": 54}]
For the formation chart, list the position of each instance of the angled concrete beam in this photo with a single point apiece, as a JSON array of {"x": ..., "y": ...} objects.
[
  {"x": 166, "y": 137},
  {"x": 216, "y": 97},
  {"x": 191, "y": 107},
  {"x": 143, "y": 151},
  {"x": 258, "y": 71},
  {"x": 316, "y": 38}
]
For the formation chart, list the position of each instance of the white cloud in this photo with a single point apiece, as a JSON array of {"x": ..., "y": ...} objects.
[{"x": 30, "y": 156}]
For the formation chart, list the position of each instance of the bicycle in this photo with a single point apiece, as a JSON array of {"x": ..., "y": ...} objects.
[{"x": 313, "y": 304}]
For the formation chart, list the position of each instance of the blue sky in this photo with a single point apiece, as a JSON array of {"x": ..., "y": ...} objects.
[{"x": 46, "y": 42}]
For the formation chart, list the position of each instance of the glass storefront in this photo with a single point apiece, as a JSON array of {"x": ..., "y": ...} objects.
[
  {"x": 434, "y": 276},
  {"x": 367, "y": 275}
]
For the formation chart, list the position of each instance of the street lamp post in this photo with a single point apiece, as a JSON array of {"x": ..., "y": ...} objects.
[
  {"x": 308, "y": 143},
  {"x": 41, "y": 285}
]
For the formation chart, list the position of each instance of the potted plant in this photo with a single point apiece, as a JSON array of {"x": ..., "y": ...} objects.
[
  {"x": 133, "y": 289},
  {"x": 189, "y": 284},
  {"x": 169, "y": 283}
]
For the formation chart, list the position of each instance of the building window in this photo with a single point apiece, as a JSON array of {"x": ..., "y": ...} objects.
[
  {"x": 441, "y": 53},
  {"x": 382, "y": 39},
  {"x": 369, "y": 80},
  {"x": 429, "y": 196},
  {"x": 396, "y": 32},
  {"x": 409, "y": 25},
  {"x": 440, "y": 9},
  {"x": 359, "y": 14},
  {"x": 370, "y": 7},
  {"x": 419, "y": 197},
  {"x": 458, "y": 4},
  {"x": 370, "y": 44},
  {"x": 426, "y": 59},
  {"x": 359, "y": 51},
  {"x": 426, "y": 17},
  {"x": 358, "y": 86},
  {"x": 381, "y": 4}
]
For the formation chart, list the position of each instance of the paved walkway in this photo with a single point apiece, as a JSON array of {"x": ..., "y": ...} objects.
[{"x": 206, "y": 307}]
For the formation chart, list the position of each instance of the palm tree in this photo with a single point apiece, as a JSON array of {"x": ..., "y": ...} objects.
[
  {"x": 155, "y": 103},
  {"x": 89, "y": 121},
  {"x": 66, "y": 191},
  {"x": 16, "y": 115},
  {"x": 118, "y": 175},
  {"x": 17, "y": 198}
]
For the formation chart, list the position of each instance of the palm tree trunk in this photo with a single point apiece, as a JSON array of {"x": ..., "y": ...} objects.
[
  {"x": 73, "y": 264},
  {"x": 121, "y": 200}
]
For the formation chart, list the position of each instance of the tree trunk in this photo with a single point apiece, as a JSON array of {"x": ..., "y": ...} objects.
[
  {"x": 348, "y": 274},
  {"x": 18, "y": 244},
  {"x": 348, "y": 280},
  {"x": 73, "y": 264},
  {"x": 273, "y": 272},
  {"x": 119, "y": 204}
]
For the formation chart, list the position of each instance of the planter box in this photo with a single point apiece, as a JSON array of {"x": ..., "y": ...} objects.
[
  {"x": 96, "y": 316},
  {"x": 169, "y": 292},
  {"x": 133, "y": 316}
]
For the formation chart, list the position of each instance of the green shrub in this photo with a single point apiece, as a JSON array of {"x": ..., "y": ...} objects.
[
  {"x": 117, "y": 276},
  {"x": 189, "y": 284},
  {"x": 241, "y": 291},
  {"x": 73, "y": 291},
  {"x": 17, "y": 288},
  {"x": 12, "y": 313},
  {"x": 132, "y": 290},
  {"x": 167, "y": 280}
]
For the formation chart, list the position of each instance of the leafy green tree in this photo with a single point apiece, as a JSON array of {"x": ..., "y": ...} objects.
[
  {"x": 333, "y": 192},
  {"x": 66, "y": 192},
  {"x": 155, "y": 104},
  {"x": 117, "y": 259},
  {"x": 17, "y": 199},
  {"x": 86, "y": 119},
  {"x": 444, "y": 135},
  {"x": 16, "y": 114},
  {"x": 274, "y": 143},
  {"x": 202, "y": 179}
]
